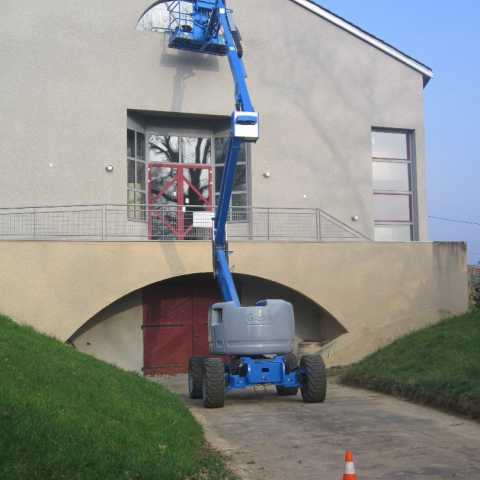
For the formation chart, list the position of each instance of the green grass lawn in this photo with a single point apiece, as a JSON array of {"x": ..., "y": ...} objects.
[
  {"x": 439, "y": 366},
  {"x": 65, "y": 415}
]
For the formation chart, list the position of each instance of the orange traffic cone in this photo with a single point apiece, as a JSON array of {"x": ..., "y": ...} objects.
[{"x": 349, "y": 467}]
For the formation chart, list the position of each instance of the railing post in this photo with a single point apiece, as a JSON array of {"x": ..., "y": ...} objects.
[
  {"x": 250, "y": 214},
  {"x": 319, "y": 225},
  {"x": 34, "y": 223},
  {"x": 105, "y": 226},
  {"x": 104, "y": 219},
  {"x": 268, "y": 223}
]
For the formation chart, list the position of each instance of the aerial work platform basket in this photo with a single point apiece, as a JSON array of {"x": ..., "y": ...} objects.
[{"x": 194, "y": 29}]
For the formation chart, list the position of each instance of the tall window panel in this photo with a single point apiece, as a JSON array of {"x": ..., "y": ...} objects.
[
  {"x": 136, "y": 173},
  {"x": 240, "y": 185},
  {"x": 167, "y": 182},
  {"x": 393, "y": 185}
]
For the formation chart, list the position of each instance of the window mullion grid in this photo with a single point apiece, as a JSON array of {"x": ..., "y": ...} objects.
[
  {"x": 410, "y": 192},
  {"x": 135, "y": 210},
  {"x": 141, "y": 209},
  {"x": 130, "y": 186}
]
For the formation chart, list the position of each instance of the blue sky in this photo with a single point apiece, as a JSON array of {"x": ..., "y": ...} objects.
[{"x": 445, "y": 35}]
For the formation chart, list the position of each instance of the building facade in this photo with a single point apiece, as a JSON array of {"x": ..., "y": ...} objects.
[
  {"x": 109, "y": 135},
  {"x": 80, "y": 74}
]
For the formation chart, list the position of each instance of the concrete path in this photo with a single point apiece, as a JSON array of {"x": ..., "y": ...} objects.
[{"x": 281, "y": 438}]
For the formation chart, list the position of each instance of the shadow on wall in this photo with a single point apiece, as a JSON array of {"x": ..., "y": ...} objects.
[
  {"x": 186, "y": 65},
  {"x": 155, "y": 20}
]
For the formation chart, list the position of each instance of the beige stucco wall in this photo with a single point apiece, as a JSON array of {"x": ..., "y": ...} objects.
[{"x": 377, "y": 291}]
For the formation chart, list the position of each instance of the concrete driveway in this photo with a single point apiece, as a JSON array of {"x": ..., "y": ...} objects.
[{"x": 281, "y": 438}]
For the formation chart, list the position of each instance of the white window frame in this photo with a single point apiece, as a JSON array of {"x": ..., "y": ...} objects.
[
  {"x": 247, "y": 192},
  {"x": 136, "y": 212},
  {"x": 412, "y": 192}
]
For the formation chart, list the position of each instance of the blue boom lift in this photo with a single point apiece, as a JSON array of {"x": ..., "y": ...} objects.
[{"x": 259, "y": 340}]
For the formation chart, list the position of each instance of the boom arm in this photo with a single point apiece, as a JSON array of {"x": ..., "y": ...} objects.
[
  {"x": 244, "y": 122},
  {"x": 209, "y": 29}
]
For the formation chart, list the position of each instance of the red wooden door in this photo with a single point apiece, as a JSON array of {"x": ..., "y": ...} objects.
[
  {"x": 167, "y": 329},
  {"x": 175, "y": 323}
]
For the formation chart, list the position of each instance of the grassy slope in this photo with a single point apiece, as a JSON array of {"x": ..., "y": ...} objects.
[
  {"x": 65, "y": 415},
  {"x": 439, "y": 365}
]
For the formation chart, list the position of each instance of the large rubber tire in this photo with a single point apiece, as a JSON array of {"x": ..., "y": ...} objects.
[
  {"x": 195, "y": 377},
  {"x": 314, "y": 379},
  {"x": 286, "y": 391},
  {"x": 213, "y": 383}
]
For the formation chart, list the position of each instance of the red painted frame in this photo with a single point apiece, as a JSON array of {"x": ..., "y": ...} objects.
[{"x": 180, "y": 232}]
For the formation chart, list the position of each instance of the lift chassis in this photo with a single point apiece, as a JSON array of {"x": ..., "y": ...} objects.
[
  {"x": 211, "y": 378},
  {"x": 258, "y": 341}
]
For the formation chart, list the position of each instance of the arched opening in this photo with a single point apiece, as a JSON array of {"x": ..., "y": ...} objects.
[{"x": 158, "y": 328}]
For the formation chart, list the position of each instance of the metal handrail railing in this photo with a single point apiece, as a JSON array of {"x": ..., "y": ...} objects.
[{"x": 170, "y": 222}]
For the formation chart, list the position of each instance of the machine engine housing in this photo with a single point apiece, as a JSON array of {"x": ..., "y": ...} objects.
[{"x": 268, "y": 328}]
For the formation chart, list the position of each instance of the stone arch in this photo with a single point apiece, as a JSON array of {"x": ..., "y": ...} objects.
[{"x": 115, "y": 333}]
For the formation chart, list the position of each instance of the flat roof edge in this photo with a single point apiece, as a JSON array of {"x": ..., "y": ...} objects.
[{"x": 367, "y": 37}]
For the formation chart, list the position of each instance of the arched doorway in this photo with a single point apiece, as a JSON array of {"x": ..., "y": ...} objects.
[{"x": 175, "y": 318}]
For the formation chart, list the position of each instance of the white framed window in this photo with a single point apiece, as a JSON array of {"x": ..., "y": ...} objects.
[
  {"x": 393, "y": 180},
  {"x": 136, "y": 175},
  {"x": 240, "y": 192}
]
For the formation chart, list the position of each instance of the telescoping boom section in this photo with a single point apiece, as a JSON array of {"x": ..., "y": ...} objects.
[{"x": 208, "y": 28}]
